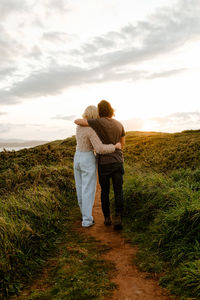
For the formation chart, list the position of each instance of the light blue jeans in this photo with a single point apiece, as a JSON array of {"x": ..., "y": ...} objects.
[{"x": 85, "y": 174}]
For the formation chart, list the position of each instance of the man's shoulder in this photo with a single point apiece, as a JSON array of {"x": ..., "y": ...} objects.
[
  {"x": 119, "y": 127},
  {"x": 117, "y": 123},
  {"x": 105, "y": 124},
  {"x": 103, "y": 120},
  {"x": 108, "y": 120}
]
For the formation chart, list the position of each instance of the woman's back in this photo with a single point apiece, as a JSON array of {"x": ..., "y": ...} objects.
[
  {"x": 83, "y": 135},
  {"x": 87, "y": 140}
]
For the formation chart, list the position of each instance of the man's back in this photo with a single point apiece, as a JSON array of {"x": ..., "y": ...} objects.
[{"x": 109, "y": 131}]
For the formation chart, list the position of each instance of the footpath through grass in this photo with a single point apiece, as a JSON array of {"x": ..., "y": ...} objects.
[
  {"x": 75, "y": 270},
  {"x": 162, "y": 214}
]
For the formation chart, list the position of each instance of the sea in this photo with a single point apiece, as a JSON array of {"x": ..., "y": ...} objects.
[{"x": 14, "y": 148}]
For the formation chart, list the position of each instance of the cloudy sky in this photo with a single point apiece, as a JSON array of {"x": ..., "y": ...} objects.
[{"x": 58, "y": 56}]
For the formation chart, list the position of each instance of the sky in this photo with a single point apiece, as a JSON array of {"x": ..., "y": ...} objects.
[{"x": 59, "y": 56}]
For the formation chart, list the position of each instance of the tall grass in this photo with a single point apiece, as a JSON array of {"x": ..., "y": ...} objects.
[
  {"x": 162, "y": 214},
  {"x": 38, "y": 208},
  {"x": 36, "y": 196},
  {"x": 162, "y": 208}
]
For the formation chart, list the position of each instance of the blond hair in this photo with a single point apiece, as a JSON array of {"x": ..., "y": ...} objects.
[{"x": 91, "y": 112}]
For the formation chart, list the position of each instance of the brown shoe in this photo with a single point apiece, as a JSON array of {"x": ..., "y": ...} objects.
[
  {"x": 118, "y": 223},
  {"x": 107, "y": 221}
]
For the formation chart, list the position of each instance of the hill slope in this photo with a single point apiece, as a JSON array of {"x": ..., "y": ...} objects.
[{"x": 162, "y": 210}]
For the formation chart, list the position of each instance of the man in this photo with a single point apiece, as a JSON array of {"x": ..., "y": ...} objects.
[{"x": 110, "y": 131}]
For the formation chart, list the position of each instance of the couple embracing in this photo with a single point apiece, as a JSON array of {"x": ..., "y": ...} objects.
[{"x": 100, "y": 140}]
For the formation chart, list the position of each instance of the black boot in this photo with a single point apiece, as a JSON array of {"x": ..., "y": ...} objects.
[
  {"x": 107, "y": 221},
  {"x": 118, "y": 223}
]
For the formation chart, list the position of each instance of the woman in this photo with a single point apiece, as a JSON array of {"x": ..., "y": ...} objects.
[{"x": 85, "y": 172}]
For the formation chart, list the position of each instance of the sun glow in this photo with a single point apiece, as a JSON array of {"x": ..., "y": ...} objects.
[
  {"x": 150, "y": 125},
  {"x": 64, "y": 64}
]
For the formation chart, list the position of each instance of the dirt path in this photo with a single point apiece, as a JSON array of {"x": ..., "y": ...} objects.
[{"x": 132, "y": 284}]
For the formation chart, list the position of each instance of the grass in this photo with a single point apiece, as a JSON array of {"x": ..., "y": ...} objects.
[
  {"x": 76, "y": 272},
  {"x": 162, "y": 209},
  {"x": 162, "y": 215},
  {"x": 37, "y": 209}
]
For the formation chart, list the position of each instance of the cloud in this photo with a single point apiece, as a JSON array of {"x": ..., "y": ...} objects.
[
  {"x": 9, "y": 48},
  {"x": 4, "y": 128},
  {"x": 46, "y": 82},
  {"x": 48, "y": 12},
  {"x": 165, "y": 73},
  {"x": 174, "y": 122},
  {"x": 185, "y": 115},
  {"x": 7, "y": 7},
  {"x": 55, "y": 79},
  {"x": 113, "y": 56},
  {"x": 179, "y": 119},
  {"x": 60, "y": 5},
  {"x": 65, "y": 118},
  {"x": 98, "y": 43},
  {"x": 7, "y": 127},
  {"x": 23, "y": 27},
  {"x": 54, "y": 36},
  {"x": 164, "y": 31},
  {"x": 3, "y": 113},
  {"x": 6, "y": 71}
]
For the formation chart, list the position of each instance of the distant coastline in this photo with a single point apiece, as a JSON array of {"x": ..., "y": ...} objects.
[
  {"x": 13, "y": 148},
  {"x": 9, "y": 146}
]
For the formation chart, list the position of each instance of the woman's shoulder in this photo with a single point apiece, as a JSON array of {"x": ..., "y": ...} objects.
[{"x": 84, "y": 129}]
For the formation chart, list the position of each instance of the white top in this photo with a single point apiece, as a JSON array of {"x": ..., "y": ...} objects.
[{"x": 88, "y": 140}]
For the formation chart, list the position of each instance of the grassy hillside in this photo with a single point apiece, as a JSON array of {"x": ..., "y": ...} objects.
[
  {"x": 162, "y": 152},
  {"x": 162, "y": 207},
  {"x": 38, "y": 209},
  {"x": 162, "y": 214}
]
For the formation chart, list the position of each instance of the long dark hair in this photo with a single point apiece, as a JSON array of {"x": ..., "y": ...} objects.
[{"x": 105, "y": 109}]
